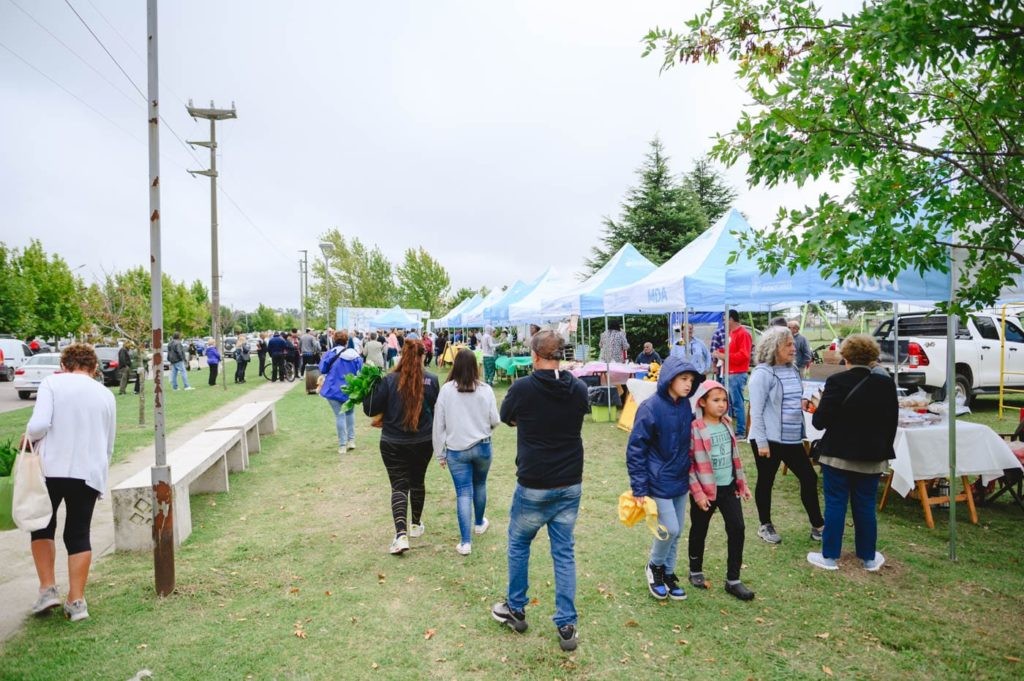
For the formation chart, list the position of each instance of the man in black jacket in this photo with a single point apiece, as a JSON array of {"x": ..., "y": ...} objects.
[
  {"x": 176, "y": 358},
  {"x": 547, "y": 409}
]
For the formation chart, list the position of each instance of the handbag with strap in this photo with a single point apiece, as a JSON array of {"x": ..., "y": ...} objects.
[{"x": 31, "y": 506}]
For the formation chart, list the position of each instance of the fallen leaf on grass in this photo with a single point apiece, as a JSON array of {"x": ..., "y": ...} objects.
[
  {"x": 723, "y": 612},
  {"x": 300, "y": 633},
  {"x": 429, "y": 634},
  {"x": 632, "y": 623},
  {"x": 823, "y": 636},
  {"x": 535, "y": 601},
  {"x": 381, "y": 577},
  {"x": 142, "y": 646},
  {"x": 293, "y": 590},
  {"x": 374, "y": 666},
  {"x": 327, "y": 593},
  {"x": 828, "y": 670},
  {"x": 682, "y": 642},
  {"x": 676, "y": 628},
  {"x": 1011, "y": 658}
]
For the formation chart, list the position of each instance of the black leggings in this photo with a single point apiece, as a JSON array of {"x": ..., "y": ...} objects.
[
  {"x": 795, "y": 457},
  {"x": 728, "y": 503},
  {"x": 407, "y": 467},
  {"x": 79, "y": 502}
]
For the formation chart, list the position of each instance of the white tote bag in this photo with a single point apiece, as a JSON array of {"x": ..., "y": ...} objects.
[{"x": 31, "y": 507}]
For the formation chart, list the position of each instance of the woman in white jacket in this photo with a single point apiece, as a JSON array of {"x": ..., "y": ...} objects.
[
  {"x": 73, "y": 425},
  {"x": 464, "y": 416}
]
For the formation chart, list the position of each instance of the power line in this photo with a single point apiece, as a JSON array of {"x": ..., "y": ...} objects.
[{"x": 80, "y": 57}]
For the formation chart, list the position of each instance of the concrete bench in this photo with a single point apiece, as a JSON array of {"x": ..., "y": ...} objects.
[
  {"x": 199, "y": 466},
  {"x": 254, "y": 419}
]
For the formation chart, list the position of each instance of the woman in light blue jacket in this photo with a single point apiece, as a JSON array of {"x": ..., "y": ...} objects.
[{"x": 777, "y": 430}]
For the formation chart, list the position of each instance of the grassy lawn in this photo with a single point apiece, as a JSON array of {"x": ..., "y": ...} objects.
[
  {"x": 180, "y": 407},
  {"x": 287, "y": 577}
]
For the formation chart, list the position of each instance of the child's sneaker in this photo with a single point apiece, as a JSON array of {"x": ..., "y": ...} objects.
[
  {"x": 820, "y": 561},
  {"x": 739, "y": 590},
  {"x": 767, "y": 532},
  {"x": 76, "y": 611},
  {"x": 876, "y": 563},
  {"x": 48, "y": 598},
  {"x": 656, "y": 581},
  {"x": 697, "y": 580},
  {"x": 675, "y": 592},
  {"x": 515, "y": 619},
  {"x": 568, "y": 637}
]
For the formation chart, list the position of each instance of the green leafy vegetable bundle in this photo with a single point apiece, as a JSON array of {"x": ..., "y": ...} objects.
[
  {"x": 7, "y": 453},
  {"x": 360, "y": 386}
]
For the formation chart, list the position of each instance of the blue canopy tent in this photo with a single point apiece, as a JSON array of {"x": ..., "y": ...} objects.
[
  {"x": 395, "y": 318},
  {"x": 474, "y": 316},
  {"x": 587, "y": 299},
  {"x": 497, "y": 314},
  {"x": 446, "y": 321}
]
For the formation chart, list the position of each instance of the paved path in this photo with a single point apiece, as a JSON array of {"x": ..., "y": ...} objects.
[{"x": 18, "y": 582}]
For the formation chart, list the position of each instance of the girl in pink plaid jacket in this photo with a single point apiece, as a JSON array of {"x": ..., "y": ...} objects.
[{"x": 716, "y": 481}]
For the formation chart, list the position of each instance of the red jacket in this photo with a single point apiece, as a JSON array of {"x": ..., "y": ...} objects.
[{"x": 740, "y": 345}]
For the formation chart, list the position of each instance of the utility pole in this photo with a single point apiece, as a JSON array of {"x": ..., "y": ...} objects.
[
  {"x": 213, "y": 114},
  {"x": 304, "y": 285},
  {"x": 163, "y": 492}
]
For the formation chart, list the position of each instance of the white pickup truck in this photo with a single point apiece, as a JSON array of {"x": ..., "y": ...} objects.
[{"x": 922, "y": 353}]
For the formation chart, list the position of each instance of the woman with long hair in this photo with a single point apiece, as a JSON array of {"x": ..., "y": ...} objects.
[
  {"x": 464, "y": 417},
  {"x": 406, "y": 398}
]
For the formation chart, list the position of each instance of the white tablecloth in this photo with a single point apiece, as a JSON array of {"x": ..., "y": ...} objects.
[
  {"x": 922, "y": 452},
  {"x": 641, "y": 390}
]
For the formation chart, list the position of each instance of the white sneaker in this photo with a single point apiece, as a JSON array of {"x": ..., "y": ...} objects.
[
  {"x": 876, "y": 563},
  {"x": 820, "y": 561},
  {"x": 464, "y": 549},
  {"x": 48, "y": 598},
  {"x": 351, "y": 445},
  {"x": 482, "y": 527},
  {"x": 417, "y": 530},
  {"x": 400, "y": 545},
  {"x": 341, "y": 450},
  {"x": 76, "y": 611},
  {"x": 187, "y": 388}
]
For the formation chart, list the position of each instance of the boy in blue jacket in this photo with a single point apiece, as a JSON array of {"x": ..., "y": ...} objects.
[{"x": 658, "y": 462}]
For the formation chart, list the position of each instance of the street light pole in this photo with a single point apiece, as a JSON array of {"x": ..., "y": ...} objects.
[
  {"x": 304, "y": 285},
  {"x": 213, "y": 114}
]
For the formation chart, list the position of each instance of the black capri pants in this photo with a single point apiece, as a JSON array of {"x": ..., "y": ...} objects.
[{"x": 79, "y": 501}]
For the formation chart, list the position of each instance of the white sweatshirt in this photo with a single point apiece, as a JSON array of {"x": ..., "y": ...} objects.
[
  {"x": 77, "y": 417},
  {"x": 463, "y": 419}
]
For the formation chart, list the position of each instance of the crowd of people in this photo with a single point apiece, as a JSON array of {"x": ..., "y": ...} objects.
[{"x": 682, "y": 453}]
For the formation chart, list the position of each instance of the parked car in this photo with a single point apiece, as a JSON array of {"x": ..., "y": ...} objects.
[
  {"x": 13, "y": 353},
  {"x": 978, "y": 353},
  {"x": 229, "y": 344},
  {"x": 109, "y": 366},
  {"x": 29, "y": 375}
]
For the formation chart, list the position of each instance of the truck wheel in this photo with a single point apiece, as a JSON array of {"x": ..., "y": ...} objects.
[
  {"x": 24, "y": 394},
  {"x": 963, "y": 389}
]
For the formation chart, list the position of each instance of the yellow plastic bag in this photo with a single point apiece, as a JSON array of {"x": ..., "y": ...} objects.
[{"x": 630, "y": 513}]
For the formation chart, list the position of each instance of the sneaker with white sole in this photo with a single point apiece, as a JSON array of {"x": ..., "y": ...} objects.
[
  {"x": 482, "y": 527},
  {"x": 568, "y": 637},
  {"x": 767, "y": 532},
  {"x": 875, "y": 564},
  {"x": 417, "y": 530},
  {"x": 817, "y": 533},
  {"x": 400, "y": 545},
  {"x": 76, "y": 611},
  {"x": 464, "y": 549},
  {"x": 351, "y": 445},
  {"x": 515, "y": 619},
  {"x": 48, "y": 598},
  {"x": 656, "y": 581},
  {"x": 341, "y": 450},
  {"x": 818, "y": 560},
  {"x": 675, "y": 591}
]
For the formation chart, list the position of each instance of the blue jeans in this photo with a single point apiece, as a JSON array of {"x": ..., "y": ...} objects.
[
  {"x": 737, "y": 382},
  {"x": 671, "y": 513},
  {"x": 345, "y": 421},
  {"x": 178, "y": 368},
  {"x": 531, "y": 510},
  {"x": 469, "y": 473},
  {"x": 858, "y": 489}
]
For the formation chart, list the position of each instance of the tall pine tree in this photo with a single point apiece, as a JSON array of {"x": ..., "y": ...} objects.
[{"x": 709, "y": 186}]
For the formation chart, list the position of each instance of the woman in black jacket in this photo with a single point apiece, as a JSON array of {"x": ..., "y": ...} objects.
[
  {"x": 405, "y": 398},
  {"x": 858, "y": 412}
]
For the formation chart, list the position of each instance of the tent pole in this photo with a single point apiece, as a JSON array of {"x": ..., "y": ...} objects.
[
  {"x": 686, "y": 332},
  {"x": 951, "y": 322},
  {"x": 725, "y": 368},
  {"x": 608, "y": 373},
  {"x": 895, "y": 344}
]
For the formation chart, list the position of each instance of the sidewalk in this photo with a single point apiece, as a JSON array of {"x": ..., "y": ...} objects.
[{"x": 18, "y": 582}]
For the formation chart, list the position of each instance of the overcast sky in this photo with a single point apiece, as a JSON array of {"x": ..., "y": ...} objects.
[{"x": 495, "y": 135}]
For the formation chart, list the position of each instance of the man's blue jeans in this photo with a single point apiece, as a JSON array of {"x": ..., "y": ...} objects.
[
  {"x": 858, "y": 489},
  {"x": 531, "y": 510},
  {"x": 469, "y": 473},
  {"x": 344, "y": 421},
  {"x": 671, "y": 514},
  {"x": 737, "y": 408},
  {"x": 178, "y": 368}
]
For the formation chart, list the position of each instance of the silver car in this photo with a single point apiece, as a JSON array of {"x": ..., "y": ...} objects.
[{"x": 29, "y": 375}]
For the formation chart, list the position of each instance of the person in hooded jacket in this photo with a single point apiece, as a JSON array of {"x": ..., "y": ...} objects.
[
  {"x": 547, "y": 409},
  {"x": 336, "y": 366},
  {"x": 658, "y": 462},
  {"x": 242, "y": 357}
]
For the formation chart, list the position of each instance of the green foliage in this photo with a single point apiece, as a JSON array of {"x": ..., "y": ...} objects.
[
  {"x": 919, "y": 103},
  {"x": 857, "y": 306},
  {"x": 423, "y": 283},
  {"x": 658, "y": 217},
  {"x": 8, "y": 452},
  {"x": 264, "y": 319},
  {"x": 714, "y": 194},
  {"x": 357, "y": 276},
  {"x": 38, "y": 294},
  {"x": 463, "y": 293},
  {"x": 360, "y": 386},
  {"x": 17, "y": 297}
]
